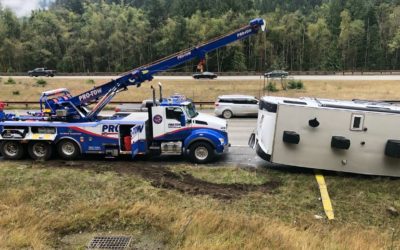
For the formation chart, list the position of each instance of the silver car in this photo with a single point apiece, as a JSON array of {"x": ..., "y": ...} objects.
[{"x": 228, "y": 106}]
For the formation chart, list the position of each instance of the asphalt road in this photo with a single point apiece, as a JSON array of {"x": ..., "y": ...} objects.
[{"x": 241, "y": 78}]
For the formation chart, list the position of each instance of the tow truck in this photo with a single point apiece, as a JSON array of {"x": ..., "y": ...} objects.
[{"x": 66, "y": 124}]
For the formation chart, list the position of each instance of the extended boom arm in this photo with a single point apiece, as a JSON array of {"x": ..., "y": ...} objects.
[{"x": 145, "y": 73}]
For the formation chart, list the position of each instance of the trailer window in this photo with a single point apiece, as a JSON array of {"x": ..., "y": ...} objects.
[{"x": 357, "y": 122}]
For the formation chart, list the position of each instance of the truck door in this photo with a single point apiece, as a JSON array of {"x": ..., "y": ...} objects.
[
  {"x": 176, "y": 125},
  {"x": 169, "y": 123}
]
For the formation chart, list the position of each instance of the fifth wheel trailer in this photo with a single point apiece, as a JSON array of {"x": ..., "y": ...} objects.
[{"x": 348, "y": 136}]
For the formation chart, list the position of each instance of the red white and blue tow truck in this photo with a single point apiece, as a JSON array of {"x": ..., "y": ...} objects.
[{"x": 66, "y": 124}]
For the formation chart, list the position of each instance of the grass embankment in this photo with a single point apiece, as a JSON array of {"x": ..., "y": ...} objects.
[
  {"x": 207, "y": 90},
  {"x": 59, "y": 205}
]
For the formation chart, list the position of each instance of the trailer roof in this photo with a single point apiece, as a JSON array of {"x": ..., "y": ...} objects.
[{"x": 361, "y": 105}]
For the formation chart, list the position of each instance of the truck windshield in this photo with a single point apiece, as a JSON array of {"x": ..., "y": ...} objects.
[{"x": 190, "y": 110}]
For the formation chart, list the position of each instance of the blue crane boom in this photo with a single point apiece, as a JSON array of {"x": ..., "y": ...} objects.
[{"x": 73, "y": 107}]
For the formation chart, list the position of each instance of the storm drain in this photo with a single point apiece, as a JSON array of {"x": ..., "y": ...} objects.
[{"x": 110, "y": 242}]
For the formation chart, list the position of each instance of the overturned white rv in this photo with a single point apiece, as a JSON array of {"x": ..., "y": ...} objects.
[{"x": 350, "y": 136}]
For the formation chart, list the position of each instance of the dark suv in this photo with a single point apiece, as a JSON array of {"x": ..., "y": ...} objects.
[{"x": 42, "y": 72}]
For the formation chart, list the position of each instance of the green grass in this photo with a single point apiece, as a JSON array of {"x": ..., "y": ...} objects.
[
  {"x": 225, "y": 175},
  {"x": 41, "y": 82},
  {"x": 10, "y": 81},
  {"x": 58, "y": 205}
]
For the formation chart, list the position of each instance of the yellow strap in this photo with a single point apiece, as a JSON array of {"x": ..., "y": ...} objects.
[
  {"x": 326, "y": 201},
  {"x": 42, "y": 136}
]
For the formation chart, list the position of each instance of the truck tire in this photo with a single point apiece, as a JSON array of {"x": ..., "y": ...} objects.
[
  {"x": 12, "y": 150},
  {"x": 40, "y": 150},
  {"x": 227, "y": 114},
  {"x": 201, "y": 152},
  {"x": 68, "y": 150}
]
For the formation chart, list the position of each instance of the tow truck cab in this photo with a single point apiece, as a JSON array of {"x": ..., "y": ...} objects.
[{"x": 176, "y": 130}]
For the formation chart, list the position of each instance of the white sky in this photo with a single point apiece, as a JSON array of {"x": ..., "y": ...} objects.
[{"x": 21, "y": 7}]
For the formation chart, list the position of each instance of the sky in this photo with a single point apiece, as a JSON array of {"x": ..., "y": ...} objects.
[{"x": 21, "y": 7}]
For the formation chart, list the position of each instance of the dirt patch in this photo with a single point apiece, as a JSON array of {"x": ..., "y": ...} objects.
[
  {"x": 162, "y": 177},
  {"x": 186, "y": 183}
]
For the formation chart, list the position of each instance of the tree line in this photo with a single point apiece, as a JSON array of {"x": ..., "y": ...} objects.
[{"x": 118, "y": 35}]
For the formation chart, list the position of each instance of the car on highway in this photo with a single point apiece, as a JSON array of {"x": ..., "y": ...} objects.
[
  {"x": 229, "y": 106},
  {"x": 276, "y": 74},
  {"x": 205, "y": 75},
  {"x": 42, "y": 72}
]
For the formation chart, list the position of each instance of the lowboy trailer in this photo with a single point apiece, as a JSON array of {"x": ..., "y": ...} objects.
[{"x": 349, "y": 136}]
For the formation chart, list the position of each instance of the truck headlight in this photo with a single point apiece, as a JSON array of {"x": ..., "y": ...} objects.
[{"x": 221, "y": 140}]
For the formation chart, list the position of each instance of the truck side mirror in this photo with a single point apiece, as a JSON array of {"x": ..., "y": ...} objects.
[{"x": 182, "y": 119}]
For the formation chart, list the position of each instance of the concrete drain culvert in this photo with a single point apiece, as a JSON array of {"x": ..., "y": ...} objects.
[{"x": 110, "y": 242}]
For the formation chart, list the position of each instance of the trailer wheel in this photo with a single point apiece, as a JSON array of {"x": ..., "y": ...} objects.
[
  {"x": 227, "y": 114},
  {"x": 12, "y": 150},
  {"x": 40, "y": 150},
  {"x": 68, "y": 150},
  {"x": 201, "y": 152}
]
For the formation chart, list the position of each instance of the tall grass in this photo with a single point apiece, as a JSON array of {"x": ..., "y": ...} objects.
[{"x": 41, "y": 205}]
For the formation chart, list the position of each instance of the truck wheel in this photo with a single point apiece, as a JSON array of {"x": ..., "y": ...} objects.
[
  {"x": 12, "y": 150},
  {"x": 201, "y": 152},
  {"x": 40, "y": 150},
  {"x": 68, "y": 150},
  {"x": 227, "y": 114}
]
